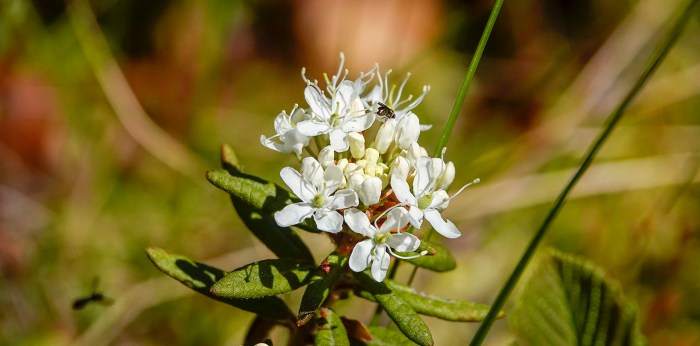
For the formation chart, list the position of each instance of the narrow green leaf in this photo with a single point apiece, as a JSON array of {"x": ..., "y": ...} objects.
[
  {"x": 430, "y": 305},
  {"x": 387, "y": 337},
  {"x": 261, "y": 195},
  {"x": 264, "y": 278},
  {"x": 441, "y": 261},
  {"x": 408, "y": 321},
  {"x": 320, "y": 285},
  {"x": 282, "y": 241},
  {"x": 569, "y": 301},
  {"x": 331, "y": 331},
  {"x": 200, "y": 277}
]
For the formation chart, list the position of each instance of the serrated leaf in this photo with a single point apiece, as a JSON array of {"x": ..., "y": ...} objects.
[
  {"x": 331, "y": 331},
  {"x": 320, "y": 284},
  {"x": 430, "y": 305},
  {"x": 569, "y": 301},
  {"x": 441, "y": 261},
  {"x": 387, "y": 337},
  {"x": 200, "y": 277},
  {"x": 403, "y": 315},
  {"x": 264, "y": 278}
]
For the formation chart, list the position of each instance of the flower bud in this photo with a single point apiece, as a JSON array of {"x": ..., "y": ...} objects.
[
  {"x": 370, "y": 191},
  {"x": 415, "y": 152},
  {"x": 357, "y": 144},
  {"x": 351, "y": 168},
  {"x": 325, "y": 156},
  {"x": 355, "y": 181},
  {"x": 400, "y": 168},
  {"x": 407, "y": 130},
  {"x": 448, "y": 175},
  {"x": 385, "y": 135},
  {"x": 371, "y": 155}
]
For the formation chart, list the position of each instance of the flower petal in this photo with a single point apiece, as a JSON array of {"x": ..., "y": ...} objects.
[
  {"x": 358, "y": 123},
  {"x": 329, "y": 221},
  {"x": 361, "y": 255},
  {"x": 342, "y": 199},
  {"x": 359, "y": 222},
  {"x": 396, "y": 219},
  {"x": 444, "y": 227},
  {"x": 404, "y": 242},
  {"x": 301, "y": 188},
  {"x": 333, "y": 177},
  {"x": 415, "y": 216},
  {"x": 313, "y": 128},
  {"x": 318, "y": 103},
  {"x": 380, "y": 262},
  {"x": 293, "y": 214},
  {"x": 402, "y": 191},
  {"x": 339, "y": 140},
  {"x": 422, "y": 180}
]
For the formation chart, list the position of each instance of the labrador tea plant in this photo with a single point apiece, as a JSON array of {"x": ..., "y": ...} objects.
[{"x": 364, "y": 182}]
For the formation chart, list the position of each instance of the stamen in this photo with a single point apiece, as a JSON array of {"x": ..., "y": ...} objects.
[
  {"x": 422, "y": 253},
  {"x": 475, "y": 181}
]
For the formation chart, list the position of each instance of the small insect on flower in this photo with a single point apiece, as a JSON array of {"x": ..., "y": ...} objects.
[{"x": 385, "y": 112}]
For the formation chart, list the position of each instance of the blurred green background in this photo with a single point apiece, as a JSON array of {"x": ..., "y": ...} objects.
[{"x": 111, "y": 111}]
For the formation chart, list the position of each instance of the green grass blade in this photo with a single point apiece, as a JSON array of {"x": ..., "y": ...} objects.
[{"x": 656, "y": 59}]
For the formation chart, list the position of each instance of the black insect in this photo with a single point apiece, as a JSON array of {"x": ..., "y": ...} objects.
[
  {"x": 94, "y": 297},
  {"x": 385, "y": 112}
]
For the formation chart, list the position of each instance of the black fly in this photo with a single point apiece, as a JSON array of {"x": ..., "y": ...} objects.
[
  {"x": 384, "y": 112},
  {"x": 94, "y": 297}
]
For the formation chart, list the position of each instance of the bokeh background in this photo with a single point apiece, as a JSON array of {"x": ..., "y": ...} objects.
[{"x": 111, "y": 111}]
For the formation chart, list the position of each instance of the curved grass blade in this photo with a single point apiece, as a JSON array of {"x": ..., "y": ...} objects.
[
  {"x": 264, "y": 278},
  {"x": 657, "y": 57},
  {"x": 331, "y": 331},
  {"x": 403, "y": 315},
  {"x": 320, "y": 285},
  {"x": 200, "y": 277},
  {"x": 569, "y": 301}
]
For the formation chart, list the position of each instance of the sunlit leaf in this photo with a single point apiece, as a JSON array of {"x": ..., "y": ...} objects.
[
  {"x": 441, "y": 259},
  {"x": 429, "y": 305},
  {"x": 331, "y": 331},
  {"x": 200, "y": 277},
  {"x": 320, "y": 284},
  {"x": 282, "y": 241},
  {"x": 387, "y": 337},
  {"x": 569, "y": 301},
  {"x": 403, "y": 315},
  {"x": 264, "y": 278}
]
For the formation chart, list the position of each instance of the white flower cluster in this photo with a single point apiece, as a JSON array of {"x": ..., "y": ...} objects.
[{"x": 374, "y": 179}]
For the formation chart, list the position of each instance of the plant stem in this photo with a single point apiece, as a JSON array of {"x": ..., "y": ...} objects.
[{"x": 656, "y": 59}]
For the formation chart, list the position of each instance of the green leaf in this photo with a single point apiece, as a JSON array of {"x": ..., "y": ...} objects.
[
  {"x": 441, "y": 261},
  {"x": 282, "y": 241},
  {"x": 387, "y": 337},
  {"x": 569, "y": 301},
  {"x": 429, "y": 305},
  {"x": 200, "y": 277},
  {"x": 320, "y": 284},
  {"x": 408, "y": 321},
  {"x": 264, "y": 278},
  {"x": 331, "y": 331}
]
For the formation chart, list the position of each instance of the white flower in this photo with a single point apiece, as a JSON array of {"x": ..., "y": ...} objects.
[
  {"x": 370, "y": 191},
  {"x": 315, "y": 188},
  {"x": 341, "y": 114},
  {"x": 375, "y": 251},
  {"x": 290, "y": 139},
  {"x": 426, "y": 200},
  {"x": 391, "y": 97}
]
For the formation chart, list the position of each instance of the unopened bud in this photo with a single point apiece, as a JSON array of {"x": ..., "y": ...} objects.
[
  {"x": 325, "y": 156},
  {"x": 385, "y": 135},
  {"x": 342, "y": 163},
  {"x": 400, "y": 168},
  {"x": 448, "y": 175},
  {"x": 415, "y": 151},
  {"x": 407, "y": 130},
  {"x": 357, "y": 144},
  {"x": 371, "y": 191},
  {"x": 371, "y": 155},
  {"x": 355, "y": 182}
]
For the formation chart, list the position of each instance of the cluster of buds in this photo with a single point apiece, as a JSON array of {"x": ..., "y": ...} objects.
[{"x": 365, "y": 173}]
